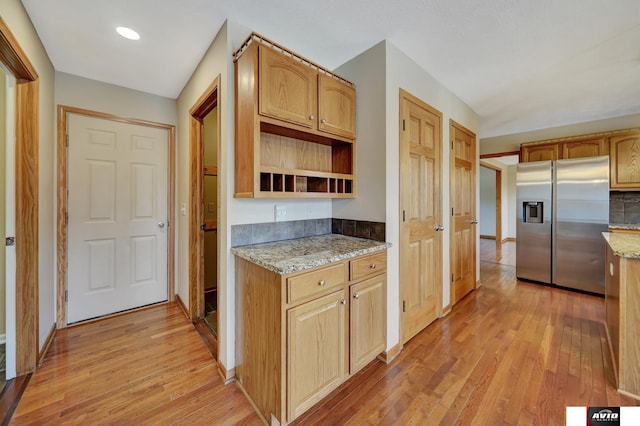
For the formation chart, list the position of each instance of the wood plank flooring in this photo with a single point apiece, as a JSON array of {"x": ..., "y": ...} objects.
[
  {"x": 147, "y": 367},
  {"x": 509, "y": 353}
]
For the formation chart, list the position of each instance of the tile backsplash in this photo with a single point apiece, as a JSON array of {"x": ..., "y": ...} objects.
[
  {"x": 624, "y": 207},
  {"x": 256, "y": 233}
]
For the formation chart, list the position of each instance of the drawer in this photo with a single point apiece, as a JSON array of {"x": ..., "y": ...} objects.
[
  {"x": 366, "y": 266},
  {"x": 317, "y": 283}
]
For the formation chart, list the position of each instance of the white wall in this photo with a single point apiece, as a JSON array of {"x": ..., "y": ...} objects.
[
  {"x": 80, "y": 92},
  {"x": 3, "y": 205},
  {"x": 218, "y": 60},
  {"x": 402, "y": 72},
  {"x": 488, "y": 201},
  {"x": 385, "y": 67},
  {"x": 14, "y": 15},
  {"x": 368, "y": 72}
]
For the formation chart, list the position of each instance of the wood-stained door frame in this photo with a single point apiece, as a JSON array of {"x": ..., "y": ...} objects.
[
  {"x": 452, "y": 164},
  {"x": 62, "y": 186},
  {"x": 203, "y": 106},
  {"x": 404, "y": 238},
  {"x": 27, "y": 138},
  {"x": 498, "y": 184}
]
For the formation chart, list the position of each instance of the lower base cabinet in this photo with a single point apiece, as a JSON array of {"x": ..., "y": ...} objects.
[{"x": 300, "y": 336}]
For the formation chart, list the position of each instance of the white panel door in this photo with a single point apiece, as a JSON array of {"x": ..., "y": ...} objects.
[{"x": 117, "y": 205}]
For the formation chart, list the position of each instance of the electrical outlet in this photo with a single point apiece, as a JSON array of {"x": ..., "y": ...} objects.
[
  {"x": 211, "y": 207},
  {"x": 280, "y": 213},
  {"x": 183, "y": 209}
]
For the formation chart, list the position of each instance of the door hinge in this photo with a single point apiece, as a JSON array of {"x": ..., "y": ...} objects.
[
  {"x": 403, "y": 125},
  {"x": 451, "y": 144},
  {"x": 404, "y": 306},
  {"x": 202, "y": 227},
  {"x": 66, "y": 295},
  {"x": 404, "y": 216},
  {"x": 451, "y": 211},
  {"x": 67, "y": 140},
  {"x": 66, "y": 218},
  {"x": 10, "y": 241},
  {"x": 452, "y": 278}
]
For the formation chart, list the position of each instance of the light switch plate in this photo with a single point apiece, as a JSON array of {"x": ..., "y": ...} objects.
[{"x": 280, "y": 213}]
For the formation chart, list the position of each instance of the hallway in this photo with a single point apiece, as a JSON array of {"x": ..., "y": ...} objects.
[{"x": 509, "y": 353}]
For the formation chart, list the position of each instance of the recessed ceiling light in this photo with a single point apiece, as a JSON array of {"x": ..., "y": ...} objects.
[{"x": 128, "y": 33}]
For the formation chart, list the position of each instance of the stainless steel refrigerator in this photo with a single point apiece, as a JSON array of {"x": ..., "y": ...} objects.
[{"x": 563, "y": 209}]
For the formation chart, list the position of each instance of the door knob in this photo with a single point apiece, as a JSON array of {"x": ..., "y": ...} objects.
[
  {"x": 474, "y": 221},
  {"x": 160, "y": 224},
  {"x": 356, "y": 296},
  {"x": 439, "y": 228},
  {"x": 323, "y": 121}
]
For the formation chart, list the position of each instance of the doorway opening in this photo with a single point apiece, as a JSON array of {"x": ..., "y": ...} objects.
[
  {"x": 498, "y": 208},
  {"x": 204, "y": 199},
  {"x": 210, "y": 209}
]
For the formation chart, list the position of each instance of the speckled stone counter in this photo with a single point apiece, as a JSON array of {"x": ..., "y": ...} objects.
[
  {"x": 624, "y": 245},
  {"x": 285, "y": 257},
  {"x": 625, "y": 226}
]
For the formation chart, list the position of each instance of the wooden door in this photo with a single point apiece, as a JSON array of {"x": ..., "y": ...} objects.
[
  {"x": 288, "y": 89},
  {"x": 420, "y": 215},
  {"x": 625, "y": 161},
  {"x": 368, "y": 321},
  {"x": 336, "y": 107},
  {"x": 316, "y": 351},
  {"x": 585, "y": 148},
  {"x": 463, "y": 211},
  {"x": 542, "y": 152},
  {"x": 117, "y": 226}
]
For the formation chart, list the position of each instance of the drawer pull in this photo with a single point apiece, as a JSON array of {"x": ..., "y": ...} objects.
[
  {"x": 356, "y": 296},
  {"x": 321, "y": 283},
  {"x": 372, "y": 266},
  {"x": 344, "y": 301}
]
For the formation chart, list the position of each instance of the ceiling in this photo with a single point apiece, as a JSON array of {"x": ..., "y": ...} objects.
[{"x": 521, "y": 65}]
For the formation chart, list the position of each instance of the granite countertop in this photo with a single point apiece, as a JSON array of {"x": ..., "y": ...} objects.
[
  {"x": 624, "y": 245},
  {"x": 625, "y": 226},
  {"x": 285, "y": 257}
]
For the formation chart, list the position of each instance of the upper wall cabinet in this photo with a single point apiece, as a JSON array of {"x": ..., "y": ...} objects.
[
  {"x": 287, "y": 88},
  {"x": 622, "y": 146},
  {"x": 625, "y": 161},
  {"x": 295, "y": 126},
  {"x": 585, "y": 148},
  {"x": 540, "y": 152}
]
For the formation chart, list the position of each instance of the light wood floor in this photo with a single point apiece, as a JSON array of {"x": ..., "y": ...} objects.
[
  {"x": 509, "y": 353},
  {"x": 147, "y": 367}
]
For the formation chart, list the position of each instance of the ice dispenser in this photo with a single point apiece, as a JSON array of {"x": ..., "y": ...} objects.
[{"x": 532, "y": 211}]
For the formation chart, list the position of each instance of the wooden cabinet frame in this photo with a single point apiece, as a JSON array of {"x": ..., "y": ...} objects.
[
  {"x": 295, "y": 126},
  {"x": 267, "y": 308}
]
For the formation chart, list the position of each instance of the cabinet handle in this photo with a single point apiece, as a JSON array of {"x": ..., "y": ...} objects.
[
  {"x": 321, "y": 283},
  {"x": 372, "y": 266},
  {"x": 311, "y": 117},
  {"x": 344, "y": 301},
  {"x": 323, "y": 121},
  {"x": 356, "y": 296}
]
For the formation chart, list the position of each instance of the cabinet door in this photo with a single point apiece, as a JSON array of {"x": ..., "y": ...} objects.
[
  {"x": 625, "y": 161},
  {"x": 368, "y": 321},
  {"x": 540, "y": 152},
  {"x": 317, "y": 351},
  {"x": 287, "y": 88},
  {"x": 336, "y": 107},
  {"x": 585, "y": 148}
]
